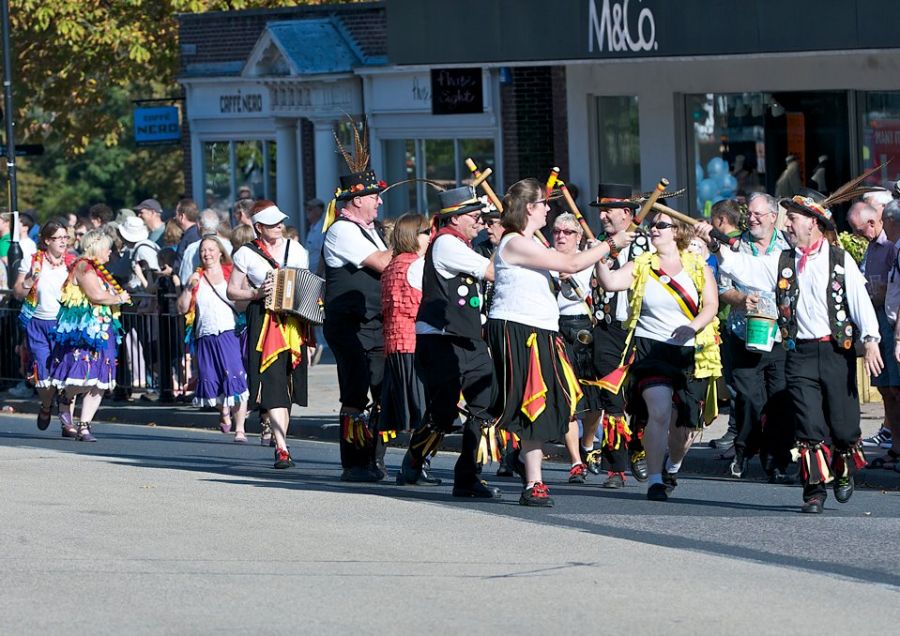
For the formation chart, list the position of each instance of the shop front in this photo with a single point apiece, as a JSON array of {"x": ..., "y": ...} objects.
[{"x": 721, "y": 98}]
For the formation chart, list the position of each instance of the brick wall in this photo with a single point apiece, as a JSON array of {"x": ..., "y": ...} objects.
[{"x": 535, "y": 128}]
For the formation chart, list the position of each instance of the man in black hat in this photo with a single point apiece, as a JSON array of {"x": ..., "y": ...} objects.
[
  {"x": 823, "y": 308},
  {"x": 621, "y": 445},
  {"x": 355, "y": 254},
  {"x": 450, "y": 349}
]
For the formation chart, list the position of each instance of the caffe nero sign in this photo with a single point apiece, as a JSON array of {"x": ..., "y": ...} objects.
[{"x": 497, "y": 31}]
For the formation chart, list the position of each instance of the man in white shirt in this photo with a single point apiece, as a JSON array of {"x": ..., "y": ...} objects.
[
  {"x": 823, "y": 306},
  {"x": 450, "y": 349},
  {"x": 355, "y": 255}
]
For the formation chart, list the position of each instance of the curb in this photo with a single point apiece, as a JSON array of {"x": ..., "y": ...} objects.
[{"x": 702, "y": 460}]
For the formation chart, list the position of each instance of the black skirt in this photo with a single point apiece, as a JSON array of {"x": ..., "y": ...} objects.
[
  {"x": 281, "y": 384},
  {"x": 582, "y": 358},
  {"x": 662, "y": 364},
  {"x": 550, "y": 412},
  {"x": 403, "y": 394}
]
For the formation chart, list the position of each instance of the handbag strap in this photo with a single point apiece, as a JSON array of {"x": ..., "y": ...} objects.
[{"x": 216, "y": 292}]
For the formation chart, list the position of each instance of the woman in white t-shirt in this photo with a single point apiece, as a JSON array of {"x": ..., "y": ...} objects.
[
  {"x": 211, "y": 321},
  {"x": 39, "y": 284},
  {"x": 276, "y": 343},
  {"x": 538, "y": 392},
  {"x": 673, "y": 323}
]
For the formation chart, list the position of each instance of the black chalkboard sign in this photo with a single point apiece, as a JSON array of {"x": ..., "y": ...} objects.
[{"x": 456, "y": 91}]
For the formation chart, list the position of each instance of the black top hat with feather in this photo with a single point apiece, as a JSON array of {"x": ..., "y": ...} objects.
[{"x": 818, "y": 206}]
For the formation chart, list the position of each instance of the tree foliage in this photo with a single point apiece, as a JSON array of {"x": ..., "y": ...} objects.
[{"x": 77, "y": 64}]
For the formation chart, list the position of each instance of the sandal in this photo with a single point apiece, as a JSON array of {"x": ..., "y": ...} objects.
[
  {"x": 225, "y": 423},
  {"x": 890, "y": 461},
  {"x": 266, "y": 435},
  {"x": 240, "y": 438},
  {"x": 43, "y": 418}
]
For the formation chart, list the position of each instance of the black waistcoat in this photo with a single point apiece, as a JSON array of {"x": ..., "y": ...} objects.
[
  {"x": 352, "y": 293},
  {"x": 450, "y": 304}
]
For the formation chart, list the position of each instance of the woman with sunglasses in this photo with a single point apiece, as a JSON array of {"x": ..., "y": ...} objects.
[
  {"x": 672, "y": 329},
  {"x": 277, "y": 378},
  {"x": 538, "y": 392},
  {"x": 576, "y": 328},
  {"x": 211, "y": 320},
  {"x": 403, "y": 395},
  {"x": 39, "y": 285}
]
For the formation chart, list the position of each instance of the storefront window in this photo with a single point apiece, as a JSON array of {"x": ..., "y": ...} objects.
[
  {"x": 441, "y": 161},
  {"x": 881, "y": 135},
  {"x": 773, "y": 142},
  {"x": 619, "y": 152},
  {"x": 231, "y": 165}
]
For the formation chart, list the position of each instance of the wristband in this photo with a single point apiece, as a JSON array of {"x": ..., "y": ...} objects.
[{"x": 613, "y": 250}]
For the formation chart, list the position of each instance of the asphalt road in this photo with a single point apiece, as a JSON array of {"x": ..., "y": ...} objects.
[{"x": 162, "y": 530}]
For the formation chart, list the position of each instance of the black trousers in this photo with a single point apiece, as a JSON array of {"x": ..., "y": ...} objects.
[
  {"x": 759, "y": 380},
  {"x": 821, "y": 383},
  {"x": 451, "y": 365},
  {"x": 359, "y": 353}
]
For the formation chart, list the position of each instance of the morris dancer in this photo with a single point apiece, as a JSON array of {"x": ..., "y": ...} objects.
[
  {"x": 403, "y": 393},
  {"x": 355, "y": 255},
  {"x": 576, "y": 328},
  {"x": 88, "y": 331},
  {"x": 538, "y": 392},
  {"x": 450, "y": 349},
  {"x": 823, "y": 307},
  {"x": 211, "y": 320},
  {"x": 276, "y": 343},
  {"x": 621, "y": 444},
  {"x": 40, "y": 284},
  {"x": 672, "y": 320}
]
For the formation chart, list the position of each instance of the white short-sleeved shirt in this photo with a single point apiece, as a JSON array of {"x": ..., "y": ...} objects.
[
  {"x": 345, "y": 244},
  {"x": 569, "y": 303},
  {"x": 28, "y": 249},
  {"x": 256, "y": 267},
  {"x": 415, "y": 272},
  {"x": 660, "y": 312},
  {"x": 215, "y": 314}
]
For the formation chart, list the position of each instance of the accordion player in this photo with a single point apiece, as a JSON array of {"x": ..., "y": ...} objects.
[{"x": 298, "y": 292}]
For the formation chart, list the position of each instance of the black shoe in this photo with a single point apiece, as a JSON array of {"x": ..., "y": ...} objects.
[
  {"x": 538, "y": 496},
  {"x": 670, "y": 480},
  {"x": 639, "y": 466},
  {"x": 43, "y": 418},
  {"x": 843, "y": 488},
  {"x": 578, "y": 474},
  {"x": 283, "y": 459},
  {"x": 476, "y": 490},
  {"x": 379, "y": 469},
  {"x": 814, "y": 506},
  {"x": 778, "y": 476},
  {"x": 723, "y": 443},
  {"x": 504, "y": 469},
  {"x": 738, "y": 466},
  {"x": 657, "y": 492},
  {"x": 359, "y": 474},
  {"x": 410, "y": 477},
  {"x": 592, "y": 459},
  {"x": 614, "y": 480}
]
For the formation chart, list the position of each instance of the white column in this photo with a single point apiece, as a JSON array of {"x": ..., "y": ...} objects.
[
  {"x": 326, "y": 156},
  {"x": 198, "y": 178},
  {"x": 286, "y": 169}
]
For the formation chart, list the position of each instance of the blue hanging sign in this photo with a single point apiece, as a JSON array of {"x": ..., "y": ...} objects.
[{"x": 157, "y": 125}]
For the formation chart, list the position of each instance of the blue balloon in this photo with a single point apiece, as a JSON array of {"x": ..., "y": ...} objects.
[
  {"x": 698, "y": 172},
  {"x": 716, "y": 166},
  {"x": 727, "y": 183},
  {"x": 707, "y": 189}
]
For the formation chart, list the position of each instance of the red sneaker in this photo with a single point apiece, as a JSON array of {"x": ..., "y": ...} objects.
[
  {"x": 537, "y": 495},
  {"x": 578, "y": 474}
]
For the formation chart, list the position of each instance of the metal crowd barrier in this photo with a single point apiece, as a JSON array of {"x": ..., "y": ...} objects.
[{"x": 152, "y": 357}]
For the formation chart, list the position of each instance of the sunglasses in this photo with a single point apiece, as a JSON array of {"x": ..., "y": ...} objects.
[
  {"x": 79, "y": 234},
  {"x": 565, "y": 232},
  {"x": 541, "y": 201},
  {"x": 661, "y": 225},
  {"x": 425, "y": 232}
]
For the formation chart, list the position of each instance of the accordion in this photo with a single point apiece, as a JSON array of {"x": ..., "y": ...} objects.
[{"x": 298, "y": 292}]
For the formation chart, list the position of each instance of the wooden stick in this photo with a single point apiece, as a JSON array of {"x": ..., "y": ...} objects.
[
  {"x": 684, "y": 218},
  {"x": 648, "y": 204},
  {"x": 488, "y": 190},
  {"x": 481, "y": 177},
  {"x": 570, "y": 201}
]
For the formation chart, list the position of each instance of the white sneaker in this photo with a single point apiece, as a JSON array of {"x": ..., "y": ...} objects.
[
  {"x": 881, "y": 439},
  {"x": 21, "y": 390}
]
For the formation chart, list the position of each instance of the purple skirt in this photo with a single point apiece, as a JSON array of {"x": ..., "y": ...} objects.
[
  {"x": 73, "y": 365},
  {"x": 40, "y": 342},
  {"x": 221, "y": 377}
]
